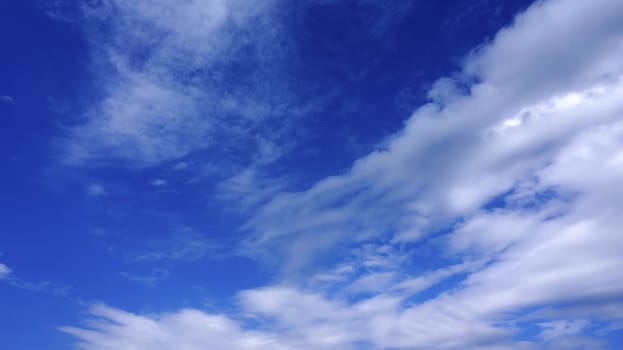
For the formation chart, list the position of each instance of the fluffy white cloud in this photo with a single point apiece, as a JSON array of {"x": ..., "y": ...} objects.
[{"x": 460, "y": 152}]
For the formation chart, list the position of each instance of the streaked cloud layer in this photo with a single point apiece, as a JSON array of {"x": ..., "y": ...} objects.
[{"x": 490, "y": 220}]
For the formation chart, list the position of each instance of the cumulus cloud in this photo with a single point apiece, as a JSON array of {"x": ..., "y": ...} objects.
[{"x": 514, "y": 184}]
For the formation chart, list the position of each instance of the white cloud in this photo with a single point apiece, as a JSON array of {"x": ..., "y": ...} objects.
[
  {"x": 157, "y": 102},
  {"x": 519, "y": 180},
  {"x": 185, "y": 330},
  {"x": 452, "y": 158},
  {"x": 5, "y": 271}
]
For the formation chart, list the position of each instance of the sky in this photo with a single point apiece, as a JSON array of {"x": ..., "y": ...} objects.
[{"x": 311, "y": 174}]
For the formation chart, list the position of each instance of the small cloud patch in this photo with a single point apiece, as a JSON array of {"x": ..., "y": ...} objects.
[
  {"x": 158, "y": 182},
  {"x": 7, "y": 100},
  {"x": 5, "y": 271}
]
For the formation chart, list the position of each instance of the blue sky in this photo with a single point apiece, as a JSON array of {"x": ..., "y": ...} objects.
[{"x": 315, "y": 174}]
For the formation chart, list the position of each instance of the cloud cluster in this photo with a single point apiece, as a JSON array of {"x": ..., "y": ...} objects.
[
  {"x": 167, "y": 79},
  {"x": 461, "y": 151},
  {"x": 515, "y": 184}
]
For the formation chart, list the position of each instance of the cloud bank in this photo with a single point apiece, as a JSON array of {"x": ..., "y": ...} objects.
[{"x": 511, "y": 175}]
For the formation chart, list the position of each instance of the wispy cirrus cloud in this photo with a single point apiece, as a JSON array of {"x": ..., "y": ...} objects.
[
  {"x": 185, "y": 246},
  {"x": 175, "y": 80},
  {"x": 153, "y": 261},
  {"x": 8, "y": 276},
  {"x": 168, "y": 81}
]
